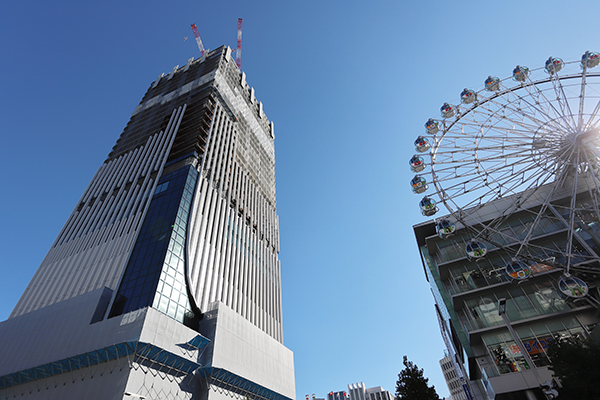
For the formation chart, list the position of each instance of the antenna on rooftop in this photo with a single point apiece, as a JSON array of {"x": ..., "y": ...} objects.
[
  {"x": 198, "y": 40},
  {"x": 238, "y": 52}
]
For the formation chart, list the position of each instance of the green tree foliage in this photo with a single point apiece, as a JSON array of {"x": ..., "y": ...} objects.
[
  {"x": 412, "y": 385},
  {"x": 576, "y": 362}
]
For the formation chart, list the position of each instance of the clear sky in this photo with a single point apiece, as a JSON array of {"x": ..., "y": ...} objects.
[{"x": 348, "y": 84}]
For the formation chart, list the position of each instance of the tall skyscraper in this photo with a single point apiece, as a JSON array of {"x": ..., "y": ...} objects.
[{"x": 165, "y": 280}]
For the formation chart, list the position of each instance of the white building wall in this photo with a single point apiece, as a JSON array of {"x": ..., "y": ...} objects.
[
  {"x": 233, "y": 240},
  {"x": 452, "y": 379},
  {"x": 64, "y": 330},
  {"x": 358, "y": 391},
  {"x": 93, "y": 247},
  {"x": 243, "y": 349}
]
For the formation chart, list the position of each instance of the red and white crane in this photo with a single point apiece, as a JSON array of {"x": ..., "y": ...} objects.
[
  {"x": 238, "y": 52},
  {"x": 198, "y": 40}
]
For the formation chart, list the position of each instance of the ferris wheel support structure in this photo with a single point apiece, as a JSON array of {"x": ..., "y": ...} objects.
[{"x": 528, "y": 144}]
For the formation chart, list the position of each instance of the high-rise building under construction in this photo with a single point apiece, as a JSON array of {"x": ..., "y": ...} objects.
[{"x": 165, "y": 280}]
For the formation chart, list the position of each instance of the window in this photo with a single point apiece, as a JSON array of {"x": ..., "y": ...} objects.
[{"x": 161, "y": 188}]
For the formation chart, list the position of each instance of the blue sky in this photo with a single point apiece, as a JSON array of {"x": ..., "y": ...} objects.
[{"x": 349, "y": 85}]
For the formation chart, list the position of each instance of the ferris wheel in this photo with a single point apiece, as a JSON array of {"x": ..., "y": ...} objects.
[{"x": 525, "y": 145}]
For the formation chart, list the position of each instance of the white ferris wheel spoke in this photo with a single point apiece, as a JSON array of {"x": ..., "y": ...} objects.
[
  {"x": 571, "y": 226},
  {"x": 582, "y": 98},
  {"x": 595, "y": 190},
  {"x": 512, "y": 142},
  {"x": 563, "y": 102},
  {"x": 546, "y": 101},
  {"x": 592, "y": 121}
]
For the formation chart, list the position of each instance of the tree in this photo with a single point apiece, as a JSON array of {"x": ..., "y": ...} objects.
[
  {"x": 576, "y": 362},
  {"x": 412, "y": 385}
]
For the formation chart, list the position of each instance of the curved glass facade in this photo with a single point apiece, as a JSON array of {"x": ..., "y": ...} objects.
[{"x": 155, "y": 273}]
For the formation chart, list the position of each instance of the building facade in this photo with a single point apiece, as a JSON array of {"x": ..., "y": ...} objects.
[
  {"x": 358, "y": 391},
  {"x": 337, "y": 395},
  {"x": 452, "y": 377},
  {"x": 538, "y": 306},
  {"x": 167, "y": 270}
]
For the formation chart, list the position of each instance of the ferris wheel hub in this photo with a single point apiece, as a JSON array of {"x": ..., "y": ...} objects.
[{"x": 579, "y": 138}]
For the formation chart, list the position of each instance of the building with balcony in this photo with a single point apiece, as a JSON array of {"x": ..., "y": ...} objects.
[{"x": 542, "y": 302}]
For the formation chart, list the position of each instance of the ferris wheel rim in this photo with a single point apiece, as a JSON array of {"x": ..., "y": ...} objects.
[{"x": 563, "y": 115}]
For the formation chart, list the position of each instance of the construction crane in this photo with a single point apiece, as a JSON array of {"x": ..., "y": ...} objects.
[
  {"x": 238, "y": 52},
  {"x": 198, "y": 40}
]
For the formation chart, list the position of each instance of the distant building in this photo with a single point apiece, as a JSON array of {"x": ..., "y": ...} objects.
[
  {"x": 337, "y": 396},
  {"x": 453, "y": 381},
  {"x": 358, "y": 391}
]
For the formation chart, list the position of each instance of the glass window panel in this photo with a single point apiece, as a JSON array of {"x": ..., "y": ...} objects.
[
  {"x": 167, "y": 290},
  {"x": 512, "y": 311},
  {"x": 177, "y": 249},
  {"x": 137, "y": 290},
  {"x": 179, "y": 313},
  {"x": 488, "y": 310},
  {"x": 493, "y": 273},
  {"x": 134, "y": 274},
  {"x": 133, "y": 304},
  {"x": 179, "y": 286},
  {"x": 495, "y": 338},
  {"x": 478, "y": 278},
  {"x": 571, "y": 322},
  {"x": 180, "y": 265},
  {"x": 539, "y": 329},
  {"x": 543, "y": 298},
  {"x": 171, "y": 310},
  {"x": 178, "y": 238},
  {"x": 169, "y": 280},
  {"x": 144, "y": 300},
  {"x": 168, "y": 256},
  {"x": 157, "y": 257},
  {"x": 507, "y": 357},
  {"x": 555, "y": 325},
  {"x": 163, "y": 304},
  {"x": 148, "y": 287},
  {"x": 522, "y": 301},
  {"x": 149, "y": 279},
  {"x": 183, "y": 300}
]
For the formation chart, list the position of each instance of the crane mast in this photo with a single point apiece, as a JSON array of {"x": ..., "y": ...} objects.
[
  {"x": 238, "y": 53},
  {"x": 198, "y": 40}
]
